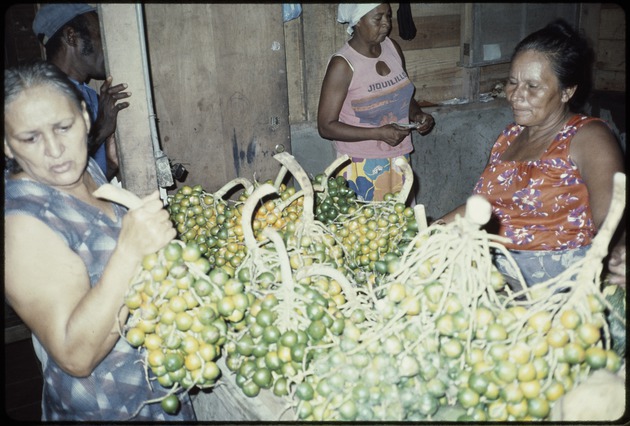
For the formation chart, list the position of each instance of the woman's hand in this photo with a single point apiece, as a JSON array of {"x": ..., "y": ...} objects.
[
  {"x": 392, "y": 134},
  {"x": 425, "y": 121},
  {"x": 617, "y": 265},
  {"x": 109, "y": 106},
  {"x": 147, "y": 228}
]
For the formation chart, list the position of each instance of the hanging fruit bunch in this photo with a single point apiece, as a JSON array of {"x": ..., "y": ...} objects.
[
  {"x": 173, "y": 305},
  {"x": 174, "y": 316},
  {"x": 210, "y": 221},
  {"x": 502, "y": 355},
  {"x": 336, "y": 198},
  {"x": 375, "y": 233},
  {"x": 290, "y": 316}
]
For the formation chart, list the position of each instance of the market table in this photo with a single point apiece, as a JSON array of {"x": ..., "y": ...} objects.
[{"x": 227, "y": 402}]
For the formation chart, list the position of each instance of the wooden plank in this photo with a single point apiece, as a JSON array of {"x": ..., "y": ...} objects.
[
  {"x": 423, "y": 62},
  {"x": 296, "y": 85},
  {"x": 435, "y": 73},
  {"x": 227, "y": 402},
  {"x": 612, "y": 23},
  {"x": 611, "y": 55},
  {"x": 470, "y": 82},
  {"x": 121, "y": 42},
  {"x": 431, "y": 32},
  {"x": 589, "y": 22},
  {"x": 492, "y": 75},
  {"x": 610, "y": 81},
  {"x": 432, "y": 9},
  {"x": 253, "y": 87},
  {"x": 440, "y": 90},
  {"x": 185, "y": 88},
  {"x": 323, "y": 36},
  {"x": 220, "y": 92},
  {"x": 438, "y": 77},
  {"x": 466, "y": 35}
]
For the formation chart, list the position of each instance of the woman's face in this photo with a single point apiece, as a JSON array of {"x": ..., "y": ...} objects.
[
  {"x": 375, "y": 25},
  {"x": 533, "y": 90},
  {"x": 46, "y": 134}
]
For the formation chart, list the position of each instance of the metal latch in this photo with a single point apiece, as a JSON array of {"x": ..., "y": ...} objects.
[{"x": 163, "y": 170}]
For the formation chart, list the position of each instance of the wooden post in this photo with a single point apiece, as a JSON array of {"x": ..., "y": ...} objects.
[
  {"x": 470, "y": 83},
  {"x": 121, "y": 37},
  {"x": 470, "y": 73},
  {"x": 590, "y": 15}
]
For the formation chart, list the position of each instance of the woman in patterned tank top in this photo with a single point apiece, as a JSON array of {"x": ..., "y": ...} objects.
[
  {"x": 549, "y": 178},
  {"x": 70, "y": 257}
]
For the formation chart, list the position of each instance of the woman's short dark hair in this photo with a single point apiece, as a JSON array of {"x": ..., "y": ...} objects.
[
  {"x": 570, "y": 56},
  {"x": 37, "y": 73}
]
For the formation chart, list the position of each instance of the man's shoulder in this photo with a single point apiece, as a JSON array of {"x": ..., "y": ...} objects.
[
  {"x": 89, "y": 93},
  {"x": 82, "y": 85}
]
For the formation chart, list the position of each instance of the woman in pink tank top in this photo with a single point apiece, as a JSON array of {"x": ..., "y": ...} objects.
[
  {"x": 549, "y": 178},
  {"x": 365, "y": 92}
]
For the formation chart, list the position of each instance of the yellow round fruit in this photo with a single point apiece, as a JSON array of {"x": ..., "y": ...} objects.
[
  {"x": 570, "y": 319},
  {"x": 554, "y": 391},
  {"x": 588, "y": 333},
  {"x": 530, "y": 389}
]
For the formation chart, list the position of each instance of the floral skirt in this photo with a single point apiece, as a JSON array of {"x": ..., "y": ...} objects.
[{"x": 372, "y": 178}]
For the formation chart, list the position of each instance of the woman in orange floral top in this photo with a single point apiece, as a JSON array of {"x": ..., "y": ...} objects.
[{"x": 550, "y": 173}]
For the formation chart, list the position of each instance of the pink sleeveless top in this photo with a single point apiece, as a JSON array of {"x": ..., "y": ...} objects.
[
  {"x": 542, "y": 204},
  {"x": 374, "y": 100}
]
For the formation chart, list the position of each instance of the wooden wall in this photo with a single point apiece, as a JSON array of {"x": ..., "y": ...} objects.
[
  {"x": 20, "y": 43},
  {"x": 433, "y": 56},
  {"x": 219, "y": 78},
  {"x": 610, "y": 65},
  {"x": 230, "y": 80}
]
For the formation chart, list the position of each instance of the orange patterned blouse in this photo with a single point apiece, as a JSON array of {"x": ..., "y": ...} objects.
[{"x": 542, "y": 204}]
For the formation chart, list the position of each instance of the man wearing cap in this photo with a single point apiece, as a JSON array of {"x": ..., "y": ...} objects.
[{"x": 70, "y": 33}]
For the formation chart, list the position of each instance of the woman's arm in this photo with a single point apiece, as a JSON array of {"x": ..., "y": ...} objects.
[
  {"x": 596, "y": 152},
  {"x": 332, "y": 96},
  {"x": 450, "y": 216},
  {"x": 108, "y": 108},
  {"x": 48, "y": 285}
]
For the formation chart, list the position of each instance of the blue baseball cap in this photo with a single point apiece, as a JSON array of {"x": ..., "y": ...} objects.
[{"x": 51, "y": 17}]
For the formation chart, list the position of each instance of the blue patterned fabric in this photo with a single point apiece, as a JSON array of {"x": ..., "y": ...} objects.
[
  {"x": 537, "y": 266},
  {"x": 91, "y": 100},
  {"x": 118, "y": 387}
]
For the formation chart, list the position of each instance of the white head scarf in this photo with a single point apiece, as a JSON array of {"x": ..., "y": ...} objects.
[{"x": 352, "y": 13}]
